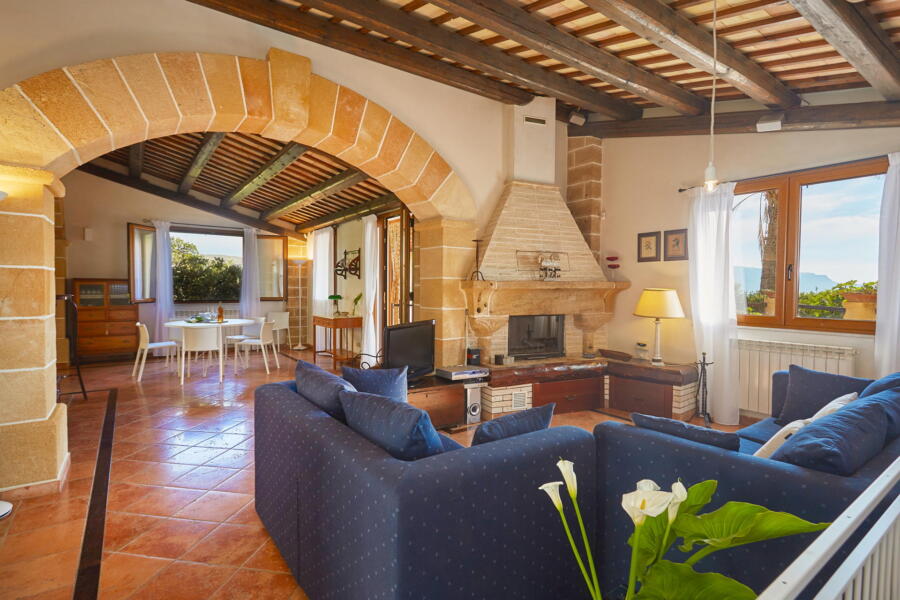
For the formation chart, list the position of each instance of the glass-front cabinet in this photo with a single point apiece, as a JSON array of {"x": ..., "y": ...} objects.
[{"x": 106, "y": 319}]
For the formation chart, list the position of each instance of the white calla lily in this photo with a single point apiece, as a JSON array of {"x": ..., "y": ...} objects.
[
  {"x": 647, "y": 485},
  {"x": 567, "y": 468},
  {"x": 641, "y": 504},
  {"x": 552, "y": 490},
  {"x": 679, "y": 495}
]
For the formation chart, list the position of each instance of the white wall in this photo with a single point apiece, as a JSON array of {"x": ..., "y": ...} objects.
[
  {"x": 39, "y": 35},
  {"x": 641, "y": 177},
  {"x": 349, "y": 236}
]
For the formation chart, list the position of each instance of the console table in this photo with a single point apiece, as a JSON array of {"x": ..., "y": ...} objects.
[
  {"x": 442, "y": 399},
  {"x": 341, "y": 329}
]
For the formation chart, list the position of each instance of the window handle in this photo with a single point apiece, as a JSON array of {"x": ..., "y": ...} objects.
[{"x": 790, "y": 272}]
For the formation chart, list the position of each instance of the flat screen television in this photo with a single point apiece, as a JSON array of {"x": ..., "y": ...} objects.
[{"x": 410, "y": 345}]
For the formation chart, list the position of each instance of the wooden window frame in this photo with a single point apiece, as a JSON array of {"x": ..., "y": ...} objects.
[
  {"x": 789, "y": 187},
  {"x": 130, "y": 235},
  {"x": 284, "y": 269}
]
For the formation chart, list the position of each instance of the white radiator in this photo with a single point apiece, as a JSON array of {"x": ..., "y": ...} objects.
[{"x": 758, "y": 359}]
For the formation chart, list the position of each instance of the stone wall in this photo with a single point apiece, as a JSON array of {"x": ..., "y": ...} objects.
[{"x": 583, "y": 192}]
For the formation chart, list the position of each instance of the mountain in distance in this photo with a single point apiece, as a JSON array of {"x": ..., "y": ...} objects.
[
  {"x": 231, "y": 260},
  {"x": 748, "y": 280}
]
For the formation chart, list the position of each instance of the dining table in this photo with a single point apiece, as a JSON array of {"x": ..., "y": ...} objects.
[{"x": 219, "y": 335}]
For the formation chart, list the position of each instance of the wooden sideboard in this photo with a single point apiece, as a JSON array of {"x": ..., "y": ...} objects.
[
  {"x": 106, "y": 319},
  {"x": 443, "y": 400}
]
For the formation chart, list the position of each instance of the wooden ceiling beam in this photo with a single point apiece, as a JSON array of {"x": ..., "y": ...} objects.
[
  {"x": 510, "y": 21},
  {"x": 329, "y": 187},
  {"x": 186, "y": 200},
  {"x": 443, "y": 42},
  {"x": 858, "y": 115},
  {"x": 855, "y": 33},
  {"x": 275, "y": 165},
  {"x": 288, "y": 19},
  {"x": 136, "y": 159},
  {"x": 386, "y": 202},
  {"x": 211, "y": 141},
  {"x": 654, "y": 21}
]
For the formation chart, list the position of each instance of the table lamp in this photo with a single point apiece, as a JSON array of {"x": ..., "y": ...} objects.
[{"x": 658, "y": 303}]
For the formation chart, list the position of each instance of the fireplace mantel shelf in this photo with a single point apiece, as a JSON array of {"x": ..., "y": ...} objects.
[
  {"x": 549, "y": 284},
  {"x": 499, "y": 298}
]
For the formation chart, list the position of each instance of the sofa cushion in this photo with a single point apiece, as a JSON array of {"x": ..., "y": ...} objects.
[
  {"x": 321, "y": 388},
  {"x": 835, "y": 405},
  {"x": 889, "y": 400},
  {"x": 401, "y": 429},
  {"x": 888, "y": 382},
  {"x": 695, "y": 433},
  {"x": 517, "y": 423},
  {"x": 748, "y": 446},
  {"x": 761, "y": 431},
  {"x": 808, "y": 391},
  {"x": 449, "y": 444},
  {"x": 780, "y": 438},
  {"x": 840, "y": 443},
  {"x": 382, "y": 382}
]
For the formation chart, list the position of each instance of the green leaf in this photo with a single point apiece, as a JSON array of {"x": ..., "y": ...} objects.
[
  {"x": 738, "y": 523},
  {"x": 672, "y": 581}
]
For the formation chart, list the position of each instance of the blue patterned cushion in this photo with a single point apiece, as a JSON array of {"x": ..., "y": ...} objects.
[
  {"x": 403, "y": 430},
  {"x": 449, "y": 444},
  {"x": 761, "y": 431},
  {"x": 321, "y": 388},
  {"x": 517, "y": 423},
  {"x": 390, "y": 383},
  {"x": 840, "y": 443},
  {"x": 809, "y": 390},
  {"x": 888, "y": 382},
  {"x": 701, "y": 435},
  {"x": 889, "y": 400}
]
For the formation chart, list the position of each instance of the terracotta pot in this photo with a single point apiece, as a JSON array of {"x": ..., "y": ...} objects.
[{"x": 859, "y": 306}]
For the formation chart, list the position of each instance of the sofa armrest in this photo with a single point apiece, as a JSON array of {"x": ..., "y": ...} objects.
[{"x": 779, "y": 391}]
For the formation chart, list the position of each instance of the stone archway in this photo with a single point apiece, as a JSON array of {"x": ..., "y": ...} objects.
[{"x": 55, "y": 121}]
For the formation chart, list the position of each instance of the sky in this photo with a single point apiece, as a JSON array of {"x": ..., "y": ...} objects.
[
  {"x": 839, "y": 229},
  {"x": 219, "y": 245}
]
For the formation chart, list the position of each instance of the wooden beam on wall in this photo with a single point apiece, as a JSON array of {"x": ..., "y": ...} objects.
[
  {"x": 186, "y": 200},
  {"x": 858, "y": 115},
  {"x": 211, "y": 141},
  {"x": 275, "y": 165},
  {"x": 856, "y": 35},
  {"x": 386, "y": 202},
  {"x": 288, "y": 19},
  {"x": 421, "y": 33},
  {"x": 329, "y": 187},
  {"x": 511, "y": 21},
  {"x": 136, "y": 159},
  {"x": 665, "y": 28}
]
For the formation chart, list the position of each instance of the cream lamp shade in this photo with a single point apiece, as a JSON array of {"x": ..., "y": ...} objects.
[{"x": 659, "y": 303}]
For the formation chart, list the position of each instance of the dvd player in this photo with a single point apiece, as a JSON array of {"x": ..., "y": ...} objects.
[{"x": 462, "y": 372}]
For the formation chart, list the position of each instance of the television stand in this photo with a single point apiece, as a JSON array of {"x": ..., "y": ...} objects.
[{"x": 442, "y": 399}]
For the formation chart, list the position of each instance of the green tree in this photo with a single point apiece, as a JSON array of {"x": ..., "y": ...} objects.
[{"x": 198, "y": 278}]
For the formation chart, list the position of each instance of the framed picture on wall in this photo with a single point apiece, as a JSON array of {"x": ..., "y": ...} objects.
[
  {"x": 648, "y": 247},
  {"x": 675, "y": 244}
]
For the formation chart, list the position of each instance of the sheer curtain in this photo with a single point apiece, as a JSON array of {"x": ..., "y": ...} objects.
[
  {"x": 887, "y": 322},
  {"x": 370, "y": 264},
  {"x": 164, "y": 307},
  {"x": 322, "y": 245},
  {"x": 250, "y": 306},
  {"x": 712, "y": 297}
]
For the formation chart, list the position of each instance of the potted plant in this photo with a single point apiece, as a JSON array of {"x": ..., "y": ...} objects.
[
  {"x": 356, "y": 302},
  {"x": 336, "y": 299},
  {"x": 859, "y": 301}
]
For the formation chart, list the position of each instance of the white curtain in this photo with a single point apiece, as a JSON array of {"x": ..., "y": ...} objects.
[
  {"x": 250, "y": 306},
  {"x": 712, "y": 297},
  {"x": 887, "y": 323},
  {"x": 322, "y": 245},
  {"x": 370, "y": 271},
  {"x": 164, "y": 307}
]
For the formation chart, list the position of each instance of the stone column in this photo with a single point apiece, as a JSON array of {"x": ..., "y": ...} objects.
[
  {"x": 583, "y": 191},
  {"x": 297, "y": 290},
  {"x": 61, "y": 266},
  {"x": 484, "y": 329},
  {"x": 445, "y": 256},
  {"x": 33, "y": 437}
]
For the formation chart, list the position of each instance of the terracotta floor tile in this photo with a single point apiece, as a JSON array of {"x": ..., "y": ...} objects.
[
  {"x": 42, "y": 541},
  {"x": 38, "y": 575},
  {"x": 122, "y": 494},
  {"x": 189, "y": 438},
  {"x": 198, "y": 456},
  {"x": 125, "y": 449},
  {"x": 214, "y": 506},
  {"x": 218, "y": 425},
  {"x": 241, "y": 482},
  {"x": 122, "y": 527},
  {"x": 81, "y": 469},
  {"x": 228, "y": 545},
  {"x": 235, "y": 459},
  {"x": 268, "y": 558},
  {"x": 60, "y": 593},
  {"x": 169, "y": 538},
  {"x": 160, "y": 473},
  {"x": 246, "y": 516},
  {"x": 122, "y": 574},
  {"x": 121, "y": 470},
  {"x": 152, "y": 436},
  {"x": 157, "y": 452},
  {"x": 248, "y": 584},
  {"x": 163, "y": 501},
  {"x": 245, "y": 445},
  {"x": 244, "y": 427},
  {"x": 205, "y": 478},
  {"x": 223, "y": 440},
  {"x": 68, "y": 509},
  {"x": 184, "y": 581}
]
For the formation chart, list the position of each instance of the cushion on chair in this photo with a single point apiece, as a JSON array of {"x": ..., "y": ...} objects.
[
  {"x": 404, "y": 431},
  {"x": 702, "y": 435},
  {"x": 390, "y": 383},
  {"x": 321, "y": 388},
  {"x": 840, "y": 443},
  {"x": 517, "y": 423},
  {"x": 888, "y": 382},
  {"x": 761, "y": 431},
  {"x": 808, "y": 391},
  {"x": 889, "y": 400}
]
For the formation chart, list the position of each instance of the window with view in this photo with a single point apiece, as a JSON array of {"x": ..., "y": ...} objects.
[
  {"x": 206, "y": 267},
  {"x": 806, "y": 248}
]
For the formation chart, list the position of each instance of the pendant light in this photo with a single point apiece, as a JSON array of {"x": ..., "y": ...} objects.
[{"x": 710, "y": 179}]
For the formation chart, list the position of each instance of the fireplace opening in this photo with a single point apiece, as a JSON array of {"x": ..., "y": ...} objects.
[{"x": 536, "y": 336}]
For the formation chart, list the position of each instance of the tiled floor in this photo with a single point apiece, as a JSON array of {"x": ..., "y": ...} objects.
[{"x": 180, "y": 522}]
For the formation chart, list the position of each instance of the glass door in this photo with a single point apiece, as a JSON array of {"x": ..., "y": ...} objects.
[{"x": 397, "y": 264}]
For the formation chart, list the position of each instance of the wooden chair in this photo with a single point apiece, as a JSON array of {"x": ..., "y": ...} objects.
[{"x": 145, "y": 346}]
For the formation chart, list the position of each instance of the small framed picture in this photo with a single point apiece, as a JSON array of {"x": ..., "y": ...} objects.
[
  {"x": 675, "y": 244},
  {"x": 648, "y": 247}
]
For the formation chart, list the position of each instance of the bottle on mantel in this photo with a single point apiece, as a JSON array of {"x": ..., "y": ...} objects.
[{"x": 220, "y": 314}]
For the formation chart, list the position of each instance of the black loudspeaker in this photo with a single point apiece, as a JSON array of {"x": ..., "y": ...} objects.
[{"x": 473, "y": 356}]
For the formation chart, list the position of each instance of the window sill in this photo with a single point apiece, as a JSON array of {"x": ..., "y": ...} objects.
[{"x": 743, "y": 327}]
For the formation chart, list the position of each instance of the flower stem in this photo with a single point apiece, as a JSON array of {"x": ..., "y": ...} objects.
[
  {"x": 587, "y": 580},
  {"x": 663, "y": 546},
  {"x": 700, "y": 554},
  {"x": 632, "y": 572},
  {"x": 587, "y": 551}
]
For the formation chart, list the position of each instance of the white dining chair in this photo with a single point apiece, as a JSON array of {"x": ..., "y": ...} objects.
[
  {"x": 265, "y": 339},
  {"x": 198, "y": 340},
  {"x": 145, "y": 346},
  {"x": 247, "y": 332},
  {"x": 281, "y": 321}
]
